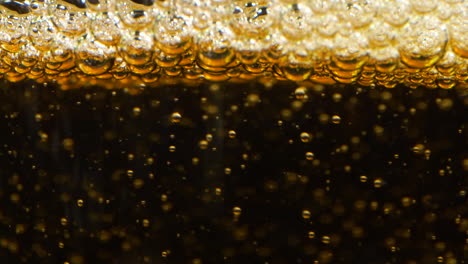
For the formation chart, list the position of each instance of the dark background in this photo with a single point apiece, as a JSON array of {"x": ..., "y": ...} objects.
[{"x": 43, "y": 177}]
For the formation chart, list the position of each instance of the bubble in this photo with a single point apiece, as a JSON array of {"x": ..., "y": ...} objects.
[
  {"x": 336, "y": 119},
  {"x": 232, "y": 134},
  {"x": 306, "y": 214},
  {"x": 300, "y": 93},
  {"x": 326, "y": 240},
  {"x": 236, "y": 211},
  {"x": 63, "y": 221},
  {"x": 146, "y": 222},
  {"x": 418, "y": 148},
  {"x": 309, "y": 155},
  {"x": 176, "y": 117},
  {"x": 80, "y": 202},
  {"x": 172, "y": 148},
  {"x": 363, "y": 178},
  {"x": 203, "y": 144},
  {"x": 311, "y": 234},
  {"x": 378, "y": 183},
  {"x": 227, "y": 171},
  {"x": 305, "y": 137}
]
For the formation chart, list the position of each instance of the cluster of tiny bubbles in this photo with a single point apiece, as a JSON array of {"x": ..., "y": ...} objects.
[{"x": 347, "y": 41}]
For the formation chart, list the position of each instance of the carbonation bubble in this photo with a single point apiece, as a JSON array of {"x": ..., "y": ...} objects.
[
  {"x": 306, "y": 214},
  {"x": 423, "y": 48},
  {"x": 378, "y": 183},
  {"x": 106, "y": 28},
  {"x": 232, "y": 134},
  {"x": 309, "y": 155},
  {"x": 94, "y": 58},
  {"x": 336, "y": 119},
  {"x": 311, "y": 234},
  {"x": 134, "y": 14},
  {"x": 326, "y": 239},
  {"x": 300, "y": 93},
  {"x": 69, "y": 18},
  {"x": 176, "y": 117},
  {"x": 305, "y": 137},
  {"x": 236, "y": 211}
]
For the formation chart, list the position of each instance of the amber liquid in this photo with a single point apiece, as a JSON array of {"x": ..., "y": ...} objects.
[{"x": 225, "y": 173}]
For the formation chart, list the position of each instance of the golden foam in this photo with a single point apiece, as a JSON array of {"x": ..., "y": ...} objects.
[{"x": 416, "y": 43}]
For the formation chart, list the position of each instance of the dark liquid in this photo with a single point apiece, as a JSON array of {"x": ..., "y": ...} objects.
[{"x": 233, "y": 174}]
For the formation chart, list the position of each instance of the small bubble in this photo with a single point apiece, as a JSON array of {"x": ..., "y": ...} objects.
[
  {"x": 176, "y": 117},
  {"x": 378, "y": 183},
  {"x": 146, "y": 223},
  {"x": 172, "y": 148},
  {"x": 418, "y": 148},
  {"x": 300, "y": 93},
  {"x": 136, "y": 111},
  {"x": 130, "y": 173},
  {"x": 306, "y": 214},
  {"x": 138, "y": 183},
  {"x": 218, "y": 191},
  {"x": 232, "y": 134},
  {"x": 63, "y": 221},
  {"x": 38, "y": 117},
  {"x": 311, "y": 234},
  {"x": 203, "y": 144},
  {"x": 337, "y": 97},
  {"x": 227, "y": 171},
  {"x": 363, "y": 178},
  {"x": 336, "y": 119},
  {"x": 406, "y": 201},
  {"x": 236, "y": 211},
  {"x": 80, "y": 202},
  {"x": 309, "y": 155},
  {"x": 326, "y": 239},
  {"x": 305, "y": 137}
]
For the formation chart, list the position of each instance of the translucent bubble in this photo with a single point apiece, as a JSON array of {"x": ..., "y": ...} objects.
[
  {"x": 300, "y": 93},
  {"x": 146, "y": 222},
  {"x": 236, "y": 211},
  {"x": 80, "y": 202},
  {"x": 203, "y": 144},
  {"x": 296, "y": 19},
  {"x": 418, "y": 148},
  {"x": 306, "y": 214},
  {"x": 423, "y": 42},
  {"x": 309, "y": 155},
  {"x": 176, "y": 117},
  {"x": 69, "y": 18},
  {"x": 63, "y": 221},
  {"x": 311, "y": 234},
  {"x": 326, "y": 239},
  {"x": 232, "y": 134},
  {"x": 363, "y": 178},
  {"x": 336, "y": 119},
  {"x": 396, "y": 12},
  {"x": 94, "y": 58},
  {"x": 305, "y": 137},
  {"x": 106, "y": 28},
  {"x": 134, "y": 14},
  {"x": 172, "y": 148},
  {"x": 378, "y": 183}
]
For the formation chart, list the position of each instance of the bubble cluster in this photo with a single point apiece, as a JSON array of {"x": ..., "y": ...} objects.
[{"x": 341, "y": 41}]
